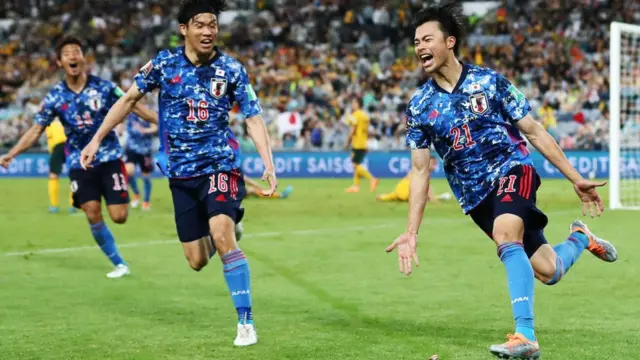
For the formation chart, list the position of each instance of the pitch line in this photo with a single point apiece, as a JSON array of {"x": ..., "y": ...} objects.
[{"x": 398, "y": 223}]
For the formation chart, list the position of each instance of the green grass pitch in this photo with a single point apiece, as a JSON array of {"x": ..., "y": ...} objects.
[{"x": 323, "y": 287}]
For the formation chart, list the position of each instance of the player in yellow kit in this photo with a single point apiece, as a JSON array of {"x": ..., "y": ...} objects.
[
  {"x": 255, "y": 190},
  {"x": 401, "y": 192},
  {"x": 358, "y": 138},
  {"x": 55, "y": 142}
]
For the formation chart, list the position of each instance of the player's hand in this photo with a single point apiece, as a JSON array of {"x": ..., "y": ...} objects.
[
  {"x": 269, "y": 175},
  {"x": 88, "y": 154},
  {"x": 586, "y": 190},
  {"x": 5, "y": 160},
  {"x": 407, "y": 245}
]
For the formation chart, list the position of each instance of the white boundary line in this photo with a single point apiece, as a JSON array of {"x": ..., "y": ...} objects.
[{"x": 427, "y": 220}]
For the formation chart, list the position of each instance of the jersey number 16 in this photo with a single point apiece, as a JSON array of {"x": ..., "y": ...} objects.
[
  {"x": 202, "y": 110},
  {"x": 459, "y": 144}
]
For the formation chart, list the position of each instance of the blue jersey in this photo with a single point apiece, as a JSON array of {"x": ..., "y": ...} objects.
[
  {"x": 472, "y": 129},
  {"x": 194, "y": 105},
  {"x": 138, "y": 142},
  {"x": 81, "y": 114}
]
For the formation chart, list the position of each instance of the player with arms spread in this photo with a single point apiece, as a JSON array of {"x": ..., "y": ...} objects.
[
  {"x": 80, "y": 102},
  {"x": 198, "y": 85},
  {"x": 474, "y": 116}
]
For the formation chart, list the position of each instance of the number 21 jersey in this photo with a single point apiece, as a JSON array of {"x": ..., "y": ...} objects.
[{"x": 472, "y": 129}]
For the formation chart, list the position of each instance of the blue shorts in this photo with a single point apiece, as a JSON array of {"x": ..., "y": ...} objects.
[
  {"x": 515, "y": 194},
  {"x": 198, "y": 199}
]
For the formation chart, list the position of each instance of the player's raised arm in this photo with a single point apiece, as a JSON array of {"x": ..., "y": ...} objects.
[{"x": 115, "y": 116}]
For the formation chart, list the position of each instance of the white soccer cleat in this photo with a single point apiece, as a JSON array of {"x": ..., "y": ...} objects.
[
  {"x": 120, "y": 271},
  {"x": 246, "y": 335},
  {"x": 135, "y": 203}
]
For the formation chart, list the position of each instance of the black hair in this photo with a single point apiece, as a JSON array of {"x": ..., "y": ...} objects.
[
  {"x": 191, "y": 8},
  {"x": 67, "y": 40},
  {"x": 450, "y": 18}
]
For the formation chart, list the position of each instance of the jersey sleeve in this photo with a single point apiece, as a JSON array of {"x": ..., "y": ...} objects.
[
  {"x": 244, "y": 94},
  {"x": 417, "y": 137},
  {"x": 149, "y": 76},
  {"x": 514, "y": 104},
  {"x": 47, "y": 112},
  {"x": 115, "y": 93}
]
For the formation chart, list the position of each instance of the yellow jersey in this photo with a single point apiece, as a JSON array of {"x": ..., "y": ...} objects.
[
  {"x": 55, "y": 134},
  {"x": 360, "y": 121}
]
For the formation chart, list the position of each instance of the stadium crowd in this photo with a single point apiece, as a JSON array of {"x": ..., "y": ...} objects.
[{"x": 306, "y": 61}]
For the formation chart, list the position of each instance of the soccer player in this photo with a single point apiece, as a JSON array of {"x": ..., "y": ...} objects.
[
  {"x": 358, "y": 138},
  {"x": 401, "y": 191},
  {"x": 80, "y": 102},
  {"x": 474, "y": 117},
  {"x": 255, "y": 190},
  {"x": 198, "y": 84},
  {"x": 138, "y": 154},
  {"x": 56, "y": 143}
]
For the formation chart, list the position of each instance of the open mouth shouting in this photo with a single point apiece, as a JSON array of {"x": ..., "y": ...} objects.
[
  {"x": 427, "y": 59},
  {"x": 206, "y": 43}
]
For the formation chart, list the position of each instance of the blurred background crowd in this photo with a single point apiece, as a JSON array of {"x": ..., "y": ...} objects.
[{"x": 306, "y": 57}]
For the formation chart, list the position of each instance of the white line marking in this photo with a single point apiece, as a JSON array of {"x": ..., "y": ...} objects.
[
  {"x": 435, "y": 220},
  {"x": 175, "y": 241}
]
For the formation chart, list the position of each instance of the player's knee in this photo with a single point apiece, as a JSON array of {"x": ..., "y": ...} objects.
[
  {"x": 197, "y": 262},
  {"x": 53, "y": 176},
  {"x": 119, "y": 216},
  {"x": 508, "y": 228},
  {"x": 223, "y": 240}
]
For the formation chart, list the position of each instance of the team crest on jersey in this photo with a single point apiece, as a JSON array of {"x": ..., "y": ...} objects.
[
  {"x": 479, "y": 103},
  {"x": 218, "y": 88}
]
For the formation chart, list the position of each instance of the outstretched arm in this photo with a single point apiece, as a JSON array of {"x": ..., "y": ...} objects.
[
  {"x": 26, "y": 141},
  {"x": 418, "y": 188},
  {"x": 119, "y": 112},
  {"x": 544, "y": 142}
]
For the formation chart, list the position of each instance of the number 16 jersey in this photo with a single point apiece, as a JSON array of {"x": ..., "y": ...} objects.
[
  {"x": 472, "y": 129},
  {"x": 194, "y": 105}
]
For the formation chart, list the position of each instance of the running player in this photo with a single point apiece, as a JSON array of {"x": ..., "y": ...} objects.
[
  {"x": 198, "y": 84},
  {"x": 474, "y": 117},
  {"x": 80, "y": 102}
]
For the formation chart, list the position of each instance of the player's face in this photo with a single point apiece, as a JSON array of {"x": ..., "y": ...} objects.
[
  {"x": 201, "y": 33},
  {"x": 431, "y": 46},
  {"x": 71, "y": 60}
]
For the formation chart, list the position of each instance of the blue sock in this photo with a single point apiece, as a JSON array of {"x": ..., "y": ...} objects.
[
  {"x": 567, "y": 254},
  {"x": 236, "y": 273},
  {"x": 146, "y": 180},
  {"x": 104, "y": 239},
  {"x": 133, "y": 184},
  {"x": 520, "y": 278}
]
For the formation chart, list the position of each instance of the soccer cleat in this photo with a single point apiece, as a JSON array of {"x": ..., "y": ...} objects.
[
  {"x": 120, "y": 271},
  {"x": 72, "y": 210},
  {"x": 54, "y": 209},
  {"x": 517, "y": 347},
  {"x": 135, "y": 202},
  {"x": 601, "y": 248},
  {"x": 246, "y": 335},
  {"x": 285, "y": 194},
  {"x": 353, "y": 189},
  {"x": 146, "y": 206}
]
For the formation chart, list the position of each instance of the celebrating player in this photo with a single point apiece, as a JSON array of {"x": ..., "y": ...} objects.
[
  {"x": 198, "y": 84},
  {"x": 474, "y": 116},
  {"x": 81, "y": 101},
  {"x": 358, "y": 138},
  {"x": 138, "y": 153}
]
